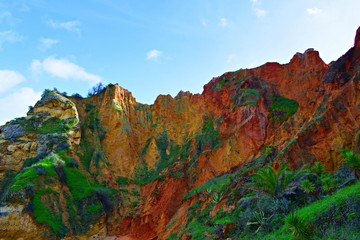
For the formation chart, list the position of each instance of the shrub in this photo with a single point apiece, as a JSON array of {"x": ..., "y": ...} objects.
[
  {"x": 307, "y": 186},
  {"x": 98, "y": 88},
  {"x": 276, "y": 183},
  {"x": 6, "y": 182},
  {"x": 76, "y": 95},
  {"x": 297, "y": 226},
  {"x": 352, "y": 160},
  {"x": 106, "y": 200},
  {"x": 318, "y": 168}
]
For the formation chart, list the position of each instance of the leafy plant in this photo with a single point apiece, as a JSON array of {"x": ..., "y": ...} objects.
[
  {"x": 318, "y": 168},
  {"x": 276, "y": 183},
  {"x": 307, "y": 186},
  {"x": 297, "y": 226},
  {"x": 261, "y": 220},
  {"x": 352, "y": 160}
]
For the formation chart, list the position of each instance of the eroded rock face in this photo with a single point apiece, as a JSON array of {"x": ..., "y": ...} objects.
[
  {"x": 51, "y": 126},
  {"x": 303, "y": 111},
  {"x": 53, "y": 121}
]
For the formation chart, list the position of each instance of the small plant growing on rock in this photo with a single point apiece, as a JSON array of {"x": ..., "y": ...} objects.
[{"x": 297, "y": 226}]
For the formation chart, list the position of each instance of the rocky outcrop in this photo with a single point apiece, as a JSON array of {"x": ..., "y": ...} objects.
[{"x": 149, "y": 157}]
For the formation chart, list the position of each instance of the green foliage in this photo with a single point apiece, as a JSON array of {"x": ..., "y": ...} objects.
[
  {"x": 6, "y": 182},
  {"x": 318, "y": 168},
  {"x": 169, "y": 153},
  {"x": 262, "y": 221},
  {"x": 282, "y": 108},
  {"x": 173, "y": 236},
  {"x": 352, "y": 160},
  {"x": 328, "y": 217},
  {"x": 311, "y": 211},
  {"x": 328, "y": 182},
  {"x": 245, "y": 96},
  {"x": 218, "y": 85},
  {"x": 297, "y": 226},
  {"x": 122, "y": 180},
  {"x": 217, "y": 184},
  {"x": 56, "y": 125},
  {"x": 275, "y": 183},
  {"x": 45, "y": 215},
  {"x": 307, "y": 186},
  {"x": 341, "y": 221},
  {"x": 80, "y": 185},
  {"x": 209, "y": 137},
  {"x": 177, "y": 174},
  {"x": 24, "y": 177}
]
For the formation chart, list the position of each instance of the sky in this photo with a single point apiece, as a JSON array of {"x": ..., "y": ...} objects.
[{"x": 156, "y": 47}]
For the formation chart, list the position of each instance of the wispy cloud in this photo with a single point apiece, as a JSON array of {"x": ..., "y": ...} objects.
[
  {"x": 9, "y": 37},
  {"x": 47, "y": 43},
  {"x": 16, "y": 104},
  {"x": 313, "y": 11},
  {"x": 10, "y": 79},
  {"x": 153, "y": 54},
  {"x": 255, "y": 5},
  {"x": 64, "y": 69},
  {"x": 224, "y": 22},
  {"x": 71, "y": 26}
]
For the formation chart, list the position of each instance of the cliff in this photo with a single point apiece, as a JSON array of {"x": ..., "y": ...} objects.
[{"x": 108, "y": 165}]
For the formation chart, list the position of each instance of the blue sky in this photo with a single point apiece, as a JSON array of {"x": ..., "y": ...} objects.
[{"x": 156, "y": 47}]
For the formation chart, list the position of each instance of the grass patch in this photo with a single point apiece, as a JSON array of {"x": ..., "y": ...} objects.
[
  {"x": 80, "y": 186},
  {"x": 309, "y": 214},
  {"x": 44, "y": 215}
]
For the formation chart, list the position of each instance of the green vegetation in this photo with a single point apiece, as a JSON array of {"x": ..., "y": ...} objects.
[
  {"x": 169, "y": 153},
  {"x": 216, "y": 184},
  {"x": 282, "y": 108},
  {"x": 5, "y": 183},
  {"x": 218, "y": 85},
  {"x": 276, "y": 183},
  {"x": 56, "y": 125},
  {"x": 49, "y": 215},
  {"x": 209, "y": 137},
  {"x": 297, "y": 226},
  {"x": 50, "y": 126},
  {"x": 352, "y": 160},
  {"x": 245, "y": 96},
  {"x": 276, "y": 203},
  {"x": 86, "y": 200}
]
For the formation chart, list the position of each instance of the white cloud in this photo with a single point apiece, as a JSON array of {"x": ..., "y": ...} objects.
[
  {"x": 9, "y": 79},
  {"x": 313, "y": 11},
  {"x": 224, "y": 22},
  {"x": 153, "y": 54},
  {"x": 47, "y": 43},
  {"x": 16, "y": 104},
  {"x": 260, "y": 12},
  {"x": 64, "y": 69},
  {"x": 255, "y": 5},
  {"x": 9, "y": 37},
  {"x": 71, "y": 26}
]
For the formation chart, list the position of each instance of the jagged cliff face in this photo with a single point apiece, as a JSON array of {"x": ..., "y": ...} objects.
[{"x": 109, "y": 165}]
